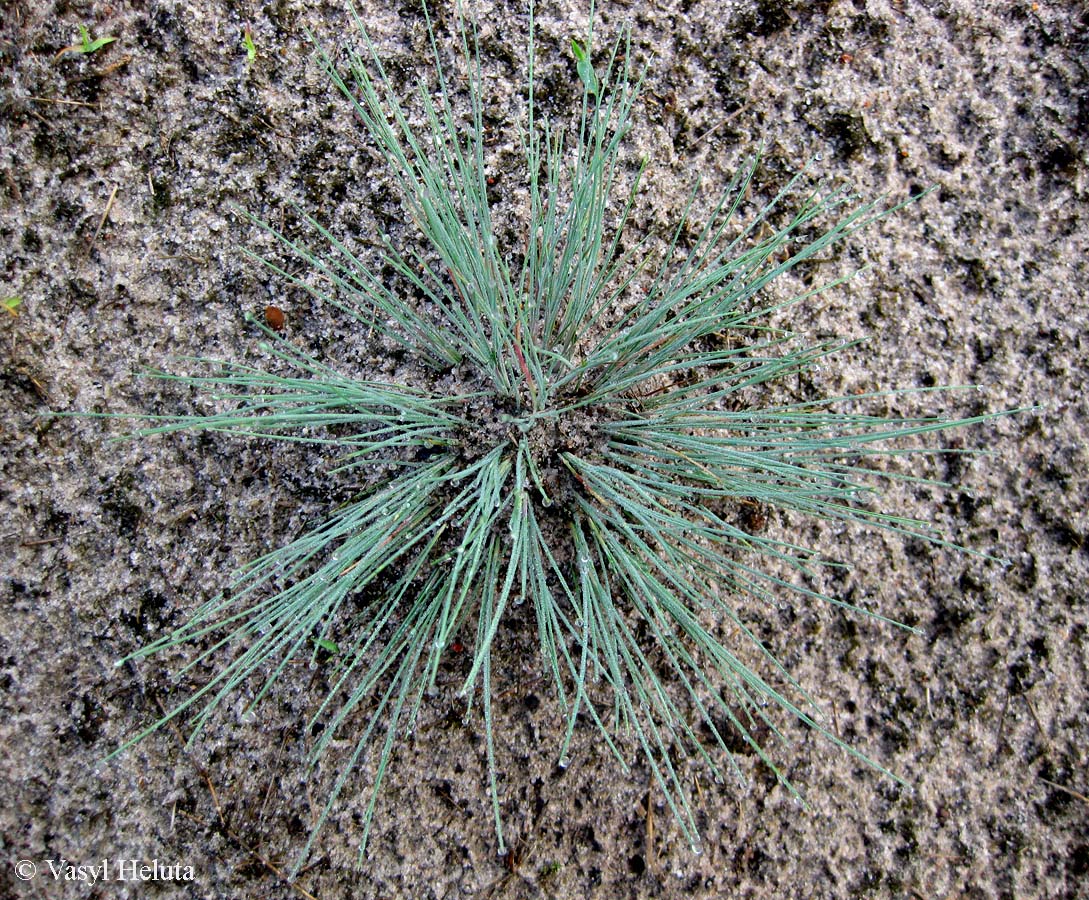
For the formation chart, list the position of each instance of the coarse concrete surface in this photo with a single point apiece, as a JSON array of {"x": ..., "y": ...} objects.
[{"x": 120, "y": 173}]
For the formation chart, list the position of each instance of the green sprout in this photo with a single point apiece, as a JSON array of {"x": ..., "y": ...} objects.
[
  {"x": 12, "y": 304},
  {"x": 609, "y": 430},
  {"x": 247, "y": 42},
  {"x": 327, "y": 645},
  {"x": 585, "y": 69},
  {"x": 87, "y": 44},
  {"x": 548, "y": 870}
]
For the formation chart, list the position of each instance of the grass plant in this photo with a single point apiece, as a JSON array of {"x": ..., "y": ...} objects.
[{"x": 593, "y": 463}]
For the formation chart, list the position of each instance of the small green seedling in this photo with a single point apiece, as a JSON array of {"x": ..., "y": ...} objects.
[
  {"x": 585, "y": 69},
  {"x": 87, "y": 44},
  {"x": 12, "y": 304},
  {"x": 548, "y": 870},
  {"x": 327, "y": 645},
  {"x": 247, "y": 42}
]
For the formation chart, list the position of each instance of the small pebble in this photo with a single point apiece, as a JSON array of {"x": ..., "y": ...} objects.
[{"x": 275, "y": 318}]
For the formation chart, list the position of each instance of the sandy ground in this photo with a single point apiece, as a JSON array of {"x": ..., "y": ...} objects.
[{"x": 118, "y": 171}]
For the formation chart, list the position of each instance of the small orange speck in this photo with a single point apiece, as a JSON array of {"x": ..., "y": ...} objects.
[
  {"x": 846, "y": 58},
  {"x": 275, "y": 318}
]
